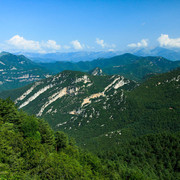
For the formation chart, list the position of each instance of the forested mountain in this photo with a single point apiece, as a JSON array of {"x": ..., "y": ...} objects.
[
  {"x": 18, "y": 71},
  {"x": 103, "y": 111},
  {"x": 97, "y": 72},
  {"x": 72, "y": 98},
  {"x": 156, "y": 155},
  {"x": 131, "y": 66},
  {"x": 90, "y": 90}
]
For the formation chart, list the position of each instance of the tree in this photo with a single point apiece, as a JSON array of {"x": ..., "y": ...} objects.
[{"x": 61, "y": 140}]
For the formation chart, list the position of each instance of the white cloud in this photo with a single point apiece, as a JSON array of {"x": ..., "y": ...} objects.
[
  {"x": 100, "y": 42},
  {"x": 19, "y": 43},
  {"x": 164, "y": 40},
  {"x": 142, "y": 43},
  {"x": 76, "y": 45},
  {"x": 51, "y": 44}
]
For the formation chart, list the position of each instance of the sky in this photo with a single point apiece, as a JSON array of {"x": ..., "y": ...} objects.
[{"x": 45, "y": 26}]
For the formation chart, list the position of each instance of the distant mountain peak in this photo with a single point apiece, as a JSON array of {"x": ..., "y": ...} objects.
[
  {"x": 128, "y": 55},
  {"x": 3, "y": 53},
  {"x": 97, "y": 72}
]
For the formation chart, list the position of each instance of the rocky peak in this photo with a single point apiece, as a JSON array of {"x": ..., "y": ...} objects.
[{"x": 97, "y": 72}]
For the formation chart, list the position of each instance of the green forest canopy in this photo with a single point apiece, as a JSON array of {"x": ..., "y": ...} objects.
[{"x": 30, "y": 149}]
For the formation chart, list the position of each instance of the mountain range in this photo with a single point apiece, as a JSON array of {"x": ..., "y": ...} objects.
[
  {"x": 171, "y": 54},
  {"x": 131, "y": 66},
  {"x": 17, "y": 70}
]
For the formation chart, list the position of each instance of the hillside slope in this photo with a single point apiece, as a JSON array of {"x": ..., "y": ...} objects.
[
  {"x": 74, "y": 100},
  {"x": 152, "y": 107}
]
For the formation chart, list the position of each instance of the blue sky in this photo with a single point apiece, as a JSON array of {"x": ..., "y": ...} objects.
[{"x": 94, "y": 25}]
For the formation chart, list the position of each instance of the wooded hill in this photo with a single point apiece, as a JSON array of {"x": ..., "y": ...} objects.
[{"x": 29, "y": 149}]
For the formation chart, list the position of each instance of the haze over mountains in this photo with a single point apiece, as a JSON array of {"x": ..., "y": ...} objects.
[
  {"x": 171, "y": 54},
  {"x": 69, "y": 56}
]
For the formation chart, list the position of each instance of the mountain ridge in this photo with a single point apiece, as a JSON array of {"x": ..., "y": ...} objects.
[{"x": 100, "y": 111}]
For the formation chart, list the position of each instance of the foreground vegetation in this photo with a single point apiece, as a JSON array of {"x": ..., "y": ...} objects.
[{"x": 29, "y": 149}]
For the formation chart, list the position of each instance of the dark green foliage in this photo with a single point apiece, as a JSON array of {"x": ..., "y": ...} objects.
[
  {"x": 28, "y": 151},
  {"x": 157, "y": 155},
  {"x": 61, "y": 140},
  {"x": 8, "y": 112},
  {"x": 47, "y": 134},
  {"x": 30, "y": 127}
]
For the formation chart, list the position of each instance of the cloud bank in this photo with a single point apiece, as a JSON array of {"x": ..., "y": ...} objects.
[
  {"x": 165, "y": 41},
  {"x": 19, "y": 43}
]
